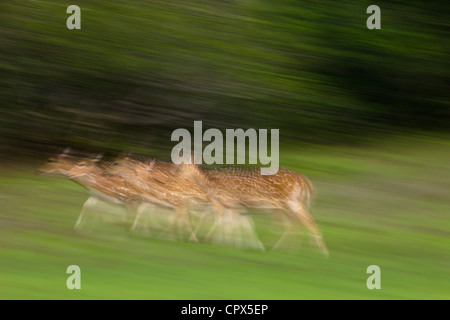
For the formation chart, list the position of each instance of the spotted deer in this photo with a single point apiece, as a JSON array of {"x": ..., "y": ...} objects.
[
  {"x": 237, "y": 188},
  {"x": 166, "y": 182},
  {"x": 132, "y": 184},
  {"x": 158, "y": 180},
  {"x": 102, "y": 187}
]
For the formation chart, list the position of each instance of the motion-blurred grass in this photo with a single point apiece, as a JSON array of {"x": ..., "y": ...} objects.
[{"x": 386, "y": 205}]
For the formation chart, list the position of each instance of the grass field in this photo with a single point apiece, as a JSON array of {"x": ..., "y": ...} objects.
[{"x": 387, "y": 204}]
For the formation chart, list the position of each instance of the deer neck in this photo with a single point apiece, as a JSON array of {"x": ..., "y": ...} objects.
[{"x": 95, "y": 180}]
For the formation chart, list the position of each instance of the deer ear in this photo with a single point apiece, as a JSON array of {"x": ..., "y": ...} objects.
[
  {"x": 98, "y": 158},
  {"x": 94, "y": 157},
  {"x": 150, "y": 165},
  {"x": 123, "y": 155}
]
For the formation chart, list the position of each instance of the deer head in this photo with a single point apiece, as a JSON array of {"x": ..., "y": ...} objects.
[{"x": 59, "y": 164}]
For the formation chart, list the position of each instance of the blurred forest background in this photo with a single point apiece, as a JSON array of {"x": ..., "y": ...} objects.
[{"x": 137, "y": 70}]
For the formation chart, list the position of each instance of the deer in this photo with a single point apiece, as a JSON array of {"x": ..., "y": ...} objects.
[
  {"x": 245, "y": 188},
  {"x": 130, "y": 183},
  {"x": 163, "y": 180},
  {"x": 157, "y": 180},
  {"x": 102, "y": 187}
]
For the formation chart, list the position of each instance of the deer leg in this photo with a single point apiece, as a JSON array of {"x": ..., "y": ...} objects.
[
  {"x": 219, "y": 213},
  {"x": 192, "y": 236},
  {"x": 237, "y": 225},
  {"x": 130, "y": 212},
  {"x": 287, "y": 230},
  {"x": 303, "y": 215},
  {"x": 86, "y": 206},
  {"x": 139, "y": 212},
  {"x": 182, "y": 213},
  {"x": 202, "y": 218},
  {"x": 248, "y": 227},
  {"x": 147, "y": 218},
  {"x": 230, "y": 225},
  {"x": 172, "y": 226}
]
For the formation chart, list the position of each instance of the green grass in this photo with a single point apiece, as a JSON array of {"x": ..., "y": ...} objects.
[{"x": 386, "y": 205}]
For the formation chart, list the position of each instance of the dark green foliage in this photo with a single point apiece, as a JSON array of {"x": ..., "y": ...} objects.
[{"x": 137, "y": 70}]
